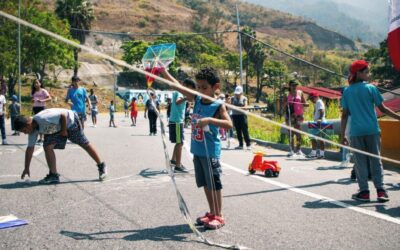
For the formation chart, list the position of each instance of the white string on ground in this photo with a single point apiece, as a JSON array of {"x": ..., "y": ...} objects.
[
  {"x": 177, "y": 86},
  {"x": 181, "y": 202}
]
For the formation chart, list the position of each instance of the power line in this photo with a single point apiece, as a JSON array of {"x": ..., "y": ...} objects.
[{"x": 130, "y": 34}]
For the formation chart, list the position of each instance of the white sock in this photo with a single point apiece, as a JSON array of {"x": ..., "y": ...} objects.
[
  {"x": 321, "y": 153},
  {"x": 313, "y": 152}
]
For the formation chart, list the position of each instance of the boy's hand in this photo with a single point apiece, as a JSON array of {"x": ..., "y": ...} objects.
[
  {"x": 345, "y": 141},
  {"x": 145, "y": 117},
  {"x": 25, "y": 172},
  {"x": 203, "y": 122}
]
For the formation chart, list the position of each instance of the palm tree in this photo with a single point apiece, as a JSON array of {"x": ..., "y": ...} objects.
[
  {"x": 258, "y": 56},
  {"x": 247, "y": 43},
  {"x": 79, "y": 14}
]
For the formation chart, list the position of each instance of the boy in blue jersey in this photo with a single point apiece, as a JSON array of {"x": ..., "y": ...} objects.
[
  {"x": 207, "y": 117},
  {"x": 359, "y": 100}
]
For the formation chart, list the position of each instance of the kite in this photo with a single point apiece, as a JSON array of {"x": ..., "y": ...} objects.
[{"x": 156, "y": 58}]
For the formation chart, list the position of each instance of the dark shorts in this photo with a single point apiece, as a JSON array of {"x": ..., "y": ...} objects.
[
  {"x": 295, "y": 121},
  {"x": 176, "y": 134},
  {"x": 202, "y": 166},
  {"x": 82, "y": 117},
  {"x": 75, "y": 135},
  {"x": 94, "y": 112},
  {"x": 36, "y": 110}
]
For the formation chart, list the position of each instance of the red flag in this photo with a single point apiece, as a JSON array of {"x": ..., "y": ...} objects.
[{"x": 394, "y": 33}]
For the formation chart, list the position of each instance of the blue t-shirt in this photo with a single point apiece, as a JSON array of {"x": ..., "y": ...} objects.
[
  {"x": 78, "y": 98},
  {"x": 197, "y": 148},
  {"x": 177, "y": 111},
  {"x": 360, "y": 100}
]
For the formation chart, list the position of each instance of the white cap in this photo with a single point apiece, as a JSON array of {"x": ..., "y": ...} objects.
[{"x": 238, "y": 90}]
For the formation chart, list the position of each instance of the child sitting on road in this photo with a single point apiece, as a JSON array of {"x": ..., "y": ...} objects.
[{"x": 207, "y": 117}]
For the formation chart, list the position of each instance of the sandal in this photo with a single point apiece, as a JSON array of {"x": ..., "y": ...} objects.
[
  {"x": 215, "y": 222},
  {"x": 204, "y": 219}
]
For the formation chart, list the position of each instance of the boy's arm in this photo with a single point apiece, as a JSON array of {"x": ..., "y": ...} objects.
[
  {"x": 224, "y": 121},
  {"x": 63, "y": 122},
  {"x": 88, "y": 101},
  {"x": 177, "y": 86},
  {"x": 343, "y": 125},
  {"x": 303, "y": 100},
  {"x": 28, "y": 158},
  {"x": 388, "y": 111}
]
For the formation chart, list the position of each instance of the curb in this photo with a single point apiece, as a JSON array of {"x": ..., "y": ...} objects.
[{"x": 329, "y": 155}]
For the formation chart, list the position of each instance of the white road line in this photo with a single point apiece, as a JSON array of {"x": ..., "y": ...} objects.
[
  {"x": 317, "y": 196},
  {"x": 38, "y": 152},
  {"x": 309, "y": 194}
]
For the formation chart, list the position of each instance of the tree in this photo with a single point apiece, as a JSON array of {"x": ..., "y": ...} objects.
[
  {"x": 381, "y": 65},
  {"x": 79, "y": 14},
  {"x": 134, "y": 51},
  {"x": 247, "y": 44},
  {"x": 37, "y": 50},
  {"x": 258, "y": 56}
]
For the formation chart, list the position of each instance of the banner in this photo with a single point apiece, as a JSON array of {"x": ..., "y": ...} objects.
[{"x": 394, "y": 33}]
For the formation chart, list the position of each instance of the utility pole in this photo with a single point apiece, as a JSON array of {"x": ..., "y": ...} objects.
[
  {"x": 115, "y": 78},
  {"x": 240, "y": 45},
  {"x": 19, "y": 52}
]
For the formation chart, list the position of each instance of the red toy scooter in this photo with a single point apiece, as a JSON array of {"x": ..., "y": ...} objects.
[{"x": 269, "y": 168}]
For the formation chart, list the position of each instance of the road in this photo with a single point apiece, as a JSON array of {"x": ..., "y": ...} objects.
[{"x": 308, "y": 206}]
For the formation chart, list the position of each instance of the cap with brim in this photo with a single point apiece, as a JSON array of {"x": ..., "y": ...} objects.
[
  {"x": 293, "y": 82},
  {"x": 238, "y": 90},
  {"x": 313, "y": 94}
]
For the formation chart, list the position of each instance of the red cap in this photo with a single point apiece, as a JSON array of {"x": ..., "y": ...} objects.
[
  {"x": 357, "y": 66},
  {"x": 314, "y": 94}
]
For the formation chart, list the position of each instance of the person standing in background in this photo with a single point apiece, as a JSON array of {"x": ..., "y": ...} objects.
[
  {"x": 2, "y": 116},
  {"x": 39, "y": 98},
  {"x": 152, "y": 110},
  {"x": 14, "y": 110},
  {"x": 239, "y": 119},
  {"x": 94, "y": 100},
  {"x": 78, "y": 97}
]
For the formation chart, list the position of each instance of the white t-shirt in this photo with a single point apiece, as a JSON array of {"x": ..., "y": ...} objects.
[
  {"x": 49, "y": 123},
  {"x": 2, "y": 104},
  {"x": 319, "y": 105}
]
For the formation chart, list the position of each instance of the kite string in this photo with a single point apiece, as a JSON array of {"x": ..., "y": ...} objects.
[{"x": 178, "y": 87}]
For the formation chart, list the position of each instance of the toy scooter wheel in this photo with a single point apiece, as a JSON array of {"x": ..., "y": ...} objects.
[
  {"x": 268, "y": 173},
  {"x": 276, "y": 174},
  {"x": 251, "y": 171}
]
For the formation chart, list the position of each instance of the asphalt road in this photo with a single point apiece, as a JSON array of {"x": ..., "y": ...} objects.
[{"x": 308, "y": 206}]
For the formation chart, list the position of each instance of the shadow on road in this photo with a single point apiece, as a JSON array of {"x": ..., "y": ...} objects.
[
  {"x": 147, "y": 173},
  {"x": 379, "y": 207},
  {"x": 163, "y": 233},
  {"x": 21, "y": 184},
  {"x": 344, "y": 181}
]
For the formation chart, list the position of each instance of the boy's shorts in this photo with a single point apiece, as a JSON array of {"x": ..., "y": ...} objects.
[
  {"x": 176, "y": 133},
  {"x": 94, "y": 112},
  {"x": 75, "y": 135},
  {"x": 82, "y": 117},
  {"x": 295, "y": 121},
  {"x": 202, "y": 167},
  {"x": 134, "y": 114}
]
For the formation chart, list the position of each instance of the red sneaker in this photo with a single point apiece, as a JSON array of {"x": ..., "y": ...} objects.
[
  {"x": 382, "y": 195},
  {"x": 361, "y": 196},
  {"x": 215, "y": 222},
  {"x": 204, "y": 219}
]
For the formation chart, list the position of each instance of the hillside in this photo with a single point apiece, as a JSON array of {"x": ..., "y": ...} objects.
[
  {"x": 151, "y": 16},
  {"x": 365, "y": 20}
]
